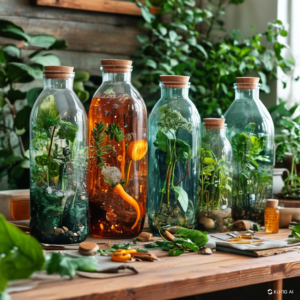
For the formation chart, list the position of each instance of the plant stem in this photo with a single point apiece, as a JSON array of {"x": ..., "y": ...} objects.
[
  {"x": 51, "y": 141},
  {"x": 186, "y": 172},
  {"x": 74, "y": 196},
  {"x": 168, "y": 185},
  {"x": 128, "y": 173}
]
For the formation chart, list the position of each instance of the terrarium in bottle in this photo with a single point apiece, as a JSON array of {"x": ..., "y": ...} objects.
[
  {"x": 58, "y": 161},
  {"x": 118, "y": 154},
  {"x": 174, "y": 141},
  {"x": 215, "y": 178},
  {"x": 251, "y": 134}
]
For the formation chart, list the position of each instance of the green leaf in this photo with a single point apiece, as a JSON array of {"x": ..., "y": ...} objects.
[
  {"x": 12, "y": 31},
  {"x": 172, "y": 35},
  {"x": 43, "y": 160},
  {"x": 182, "y": 197},
  {"x": 188, "y": 244},
  {"x": 296, "y": 231},
  {"x": 115, "y": 132},
  {"x": 23, "y": 73},
  {"x": 47, "y": 107},
  {"x": 23, "y": 117},
  {"x": 3, "y": 79},
  {"x": 32, "y": 95},
  {"x": 147, "y": 15},
  {"x": 2, "y": 57},
  {"x": 161, "y": 141},
  {"x": 21, "y": 254},
  {"x": 176, "y": 252},
  {"x": 102, "y": 253},
  {"x": 197, "y": 237},
  {"x": 83, "y": 95},
  {"x": 11, "y": 50},
  {"x": 151, "y": 63},
  {"x": 250, "y": 127},
  {"x": 208, "y": 160},
  {"x": 81, "y": 76},
  {"x": 67, "y": 266},
  {"x": 41, "y": 40},
  {"x": 46, "y": 60},
  {"x": 67, "y": 131},
  {"x": 14, "y": 95}
]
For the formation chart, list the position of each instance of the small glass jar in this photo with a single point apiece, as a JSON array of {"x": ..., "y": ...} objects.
[
  {"x": 250, "y": 131},
  {"x": 215, "y": 178},
  {"x": 58, "y": 162},
  {"x": 118, "y": 154},
  {"x": 272, "y": 216},
  {"x": 174, "y": 140}
]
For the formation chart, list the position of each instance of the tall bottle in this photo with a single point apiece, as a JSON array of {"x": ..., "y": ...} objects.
[
  {"x": 251, "y": 134},
  {"x": 118, "y": 154},
  {"x": 174, "y": 141},
  {"x": 58, "y": 161},
  {"x": 215, "y": 177}
]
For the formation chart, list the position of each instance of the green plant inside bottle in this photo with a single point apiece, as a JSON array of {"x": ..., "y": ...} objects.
[{"x": 252, "y": 175}]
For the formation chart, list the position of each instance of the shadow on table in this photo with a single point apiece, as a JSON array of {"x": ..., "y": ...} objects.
[{"x": 291, "y": 291}]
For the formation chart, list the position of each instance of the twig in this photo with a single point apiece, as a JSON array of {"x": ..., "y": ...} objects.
[
  {"x": 51, "y": 141},
  {"x": 186, "y": 172}
]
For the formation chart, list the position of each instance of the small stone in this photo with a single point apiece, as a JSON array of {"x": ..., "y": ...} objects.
[
  {"x": 70, "y": 233},
  {"x": 145, "y": 237},
  {"x": 208, "y": 223},
  {"x": 206, "y": 251},
  {"x": 65, "y": 228},
  {"x": 214, "y": 250},
  {"x": 58, "y": 231},
  {"x": 81, "y": 228},
  {"x": 74, "y": 234},
  {"x": 54, "y": 227},
  {"x": 82, "y": 197},
  {"x": 78, "y": 233}
]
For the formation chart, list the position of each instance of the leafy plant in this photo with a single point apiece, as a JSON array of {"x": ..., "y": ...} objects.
[
  {"x": 183, "y": 39},
  {"x": 251, "y": 179},
  {"x": 295, "y": 231},
  {"x": 288, "y": 141},
  {"x": 176, "y": 151},
  {"x": 16, "y": 70}
]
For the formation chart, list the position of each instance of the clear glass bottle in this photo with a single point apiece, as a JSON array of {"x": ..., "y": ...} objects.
[
  {"x": 272, "y": 216},
  {"x": 174, "y": 141},
  {"x": 215, "y": 178},
  {"x": 118, "y": 154},
  {"x": 251, "y": 134},
  {"x": 58, "y": 162}
]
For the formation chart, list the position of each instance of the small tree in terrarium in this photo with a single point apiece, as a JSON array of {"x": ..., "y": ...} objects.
[{"x": 214, "y": 207}]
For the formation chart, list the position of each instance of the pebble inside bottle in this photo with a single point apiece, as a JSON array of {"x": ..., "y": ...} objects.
[{"x": 118, "y": 155}]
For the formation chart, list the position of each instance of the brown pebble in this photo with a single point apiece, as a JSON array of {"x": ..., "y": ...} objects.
[
  {"x": 206, "y": 251},
  {"x": 88, "y": 248},
  {"x": 65, "y": 228},
  {"x": 145, "y": 237},
  {"x": 58, "y": 231},
  {"x": 169, "y": 236}
]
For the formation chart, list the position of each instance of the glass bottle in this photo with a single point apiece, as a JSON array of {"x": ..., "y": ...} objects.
[
  {"x": 174, "y": 140},
  {"x": 118, "y": 154},
  {"x": 251, "y": 134},
  {"x": 272, "y": 216},
  {"x": 58, "y": 161},
  {"x": 215, "y": 178}
]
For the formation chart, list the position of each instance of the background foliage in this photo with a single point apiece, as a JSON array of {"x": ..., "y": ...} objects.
[
  {"x": 17, "y": 70},
  {"x": 183, "y": 39}
]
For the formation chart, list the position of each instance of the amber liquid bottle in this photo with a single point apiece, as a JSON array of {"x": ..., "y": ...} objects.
[
  {"x": 272, "y": 216},
  {"x": 118, "y": 155}
]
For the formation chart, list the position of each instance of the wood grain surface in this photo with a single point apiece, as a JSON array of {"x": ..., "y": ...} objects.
[{"x": 173, "y": 277}]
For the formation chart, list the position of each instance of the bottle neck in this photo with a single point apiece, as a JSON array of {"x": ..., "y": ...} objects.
[
  {"x": 247, "y": 93},
  {"x": 215, "y": 132},
  {"x": 117, "y": 77},
  {"x": 174, "y": 92},
  {"x": 58, "y": 83}
]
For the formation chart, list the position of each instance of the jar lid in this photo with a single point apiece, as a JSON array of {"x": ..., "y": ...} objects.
[
  {"x": 272, "y": 203},
  {"x": 175, "y": 81},
  {"x": 247, "y": 83},
  {"x": 116, "y": 65},
  {"x": 214, "y": 123},
  {"x": 58, "y": 72}
]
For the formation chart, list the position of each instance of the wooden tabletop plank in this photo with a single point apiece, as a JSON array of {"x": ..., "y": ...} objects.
[{"x": 176, "y": 277}]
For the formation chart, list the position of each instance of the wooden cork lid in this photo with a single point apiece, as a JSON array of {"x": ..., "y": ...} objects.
[
  {"x": 116, "y": 65},
  {"x": 214, "y": 123},
  {"x": 247, "y": 83},
  {"x": 88, "y": 248},
  {"x": 272, "y": 203},
  {"x": 58, "y": 72},
  {"x": 174, "y": 81}
]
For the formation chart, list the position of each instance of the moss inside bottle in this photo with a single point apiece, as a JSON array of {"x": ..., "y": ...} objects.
[
  {"x": 251, "y": 134},
  {"x": 215, "y": 178},
  {"x": 174, "y": 141},
  {"x": 58, "y": 162}
]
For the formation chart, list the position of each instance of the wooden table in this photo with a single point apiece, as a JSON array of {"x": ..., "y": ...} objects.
[{"x": 173, "y": 277}]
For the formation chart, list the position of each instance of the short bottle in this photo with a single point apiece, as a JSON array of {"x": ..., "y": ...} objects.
[
  {"x": 215, "y": 166},
  {"x": 272, "y": 216}
]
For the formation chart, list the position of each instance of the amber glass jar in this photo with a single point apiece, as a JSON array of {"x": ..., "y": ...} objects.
[
  {"x": 118, "y": 154},
  {"x": 272, "y": 216}
]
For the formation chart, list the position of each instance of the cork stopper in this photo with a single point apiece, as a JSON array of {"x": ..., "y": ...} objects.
[
  {"x": 272, "y": 203},
  {"x": 116, "y": 65},
  {"x": 247, "y": 83},
  {"x": 59, "y": 72},
  {"x": 214, "y": 123},
  {"x": 175, "y": 81}
]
